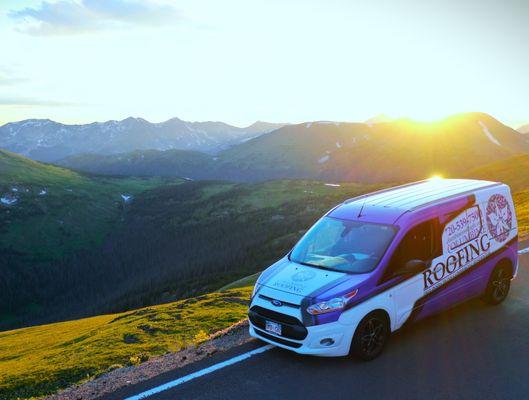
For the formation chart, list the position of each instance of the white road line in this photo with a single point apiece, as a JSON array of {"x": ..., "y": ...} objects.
[
  {"x": 523, "y": 251},
  {"x": 200, "y": 373}
]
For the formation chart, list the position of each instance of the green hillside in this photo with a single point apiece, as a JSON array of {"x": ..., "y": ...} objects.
[
  {"x": 58, "y": 211},
  {"x": 146, "y": 163},
  {"x": 48, "y": 214},
  {"x": 514, "y": 171},
  {"x": 40, "y": 360},
  {"x": 521, "y": 201}
]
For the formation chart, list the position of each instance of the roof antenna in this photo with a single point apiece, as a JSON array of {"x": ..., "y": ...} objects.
[{"x": 361, "y": 209}]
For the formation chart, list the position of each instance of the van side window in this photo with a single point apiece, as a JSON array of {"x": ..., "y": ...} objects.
[{"x": 422, "y": 242}]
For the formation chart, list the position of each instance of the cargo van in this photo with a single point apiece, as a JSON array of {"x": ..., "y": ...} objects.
[{"x": 378, "y": 261}]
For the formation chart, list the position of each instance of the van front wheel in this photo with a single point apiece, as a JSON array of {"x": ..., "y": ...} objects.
[
  {"x": 499, "y": 285},
  {"x": 370, "y": 337}
]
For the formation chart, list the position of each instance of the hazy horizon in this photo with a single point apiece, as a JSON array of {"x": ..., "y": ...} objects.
[{"x": 260, "y": 120}]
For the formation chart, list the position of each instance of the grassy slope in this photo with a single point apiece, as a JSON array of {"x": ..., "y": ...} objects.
[
  {"x": 512, "y": 171},
  {"x": 40, "y": 360},
  {"x": 521, "y": 201},
  {"x": 76, "y": 212}
]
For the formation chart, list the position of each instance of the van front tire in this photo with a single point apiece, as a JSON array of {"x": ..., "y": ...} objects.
[
  {"x": 371, "y": 337},
  {"x": 499, "y": 284}
]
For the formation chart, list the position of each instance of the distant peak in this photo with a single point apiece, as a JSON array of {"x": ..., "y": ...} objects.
[
  {"x": 174, "y": 119},
  {"x": 264, "y": 126},
  {"x": 134, "y": 119},
  {"x": 379, "y": 119},
  {"x": 523, "y": 128}
]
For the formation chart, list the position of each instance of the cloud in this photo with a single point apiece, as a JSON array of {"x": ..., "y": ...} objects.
[
  {"x": 31, "y": 102},
  {"x": 8, "y": 81},
  {"x": 8, "y": 78},
  {"x": 65, "y": 17}
]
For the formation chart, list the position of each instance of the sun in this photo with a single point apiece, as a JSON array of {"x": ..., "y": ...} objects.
[
  {"x": 435, "y": 178},
  {"x": 428, "y": 116}
]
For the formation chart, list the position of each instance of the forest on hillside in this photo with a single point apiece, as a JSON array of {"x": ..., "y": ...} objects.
[{"x": 174, "y": 241}]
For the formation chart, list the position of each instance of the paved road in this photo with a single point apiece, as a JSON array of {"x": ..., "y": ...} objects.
[{"x": 473, "y": 351}]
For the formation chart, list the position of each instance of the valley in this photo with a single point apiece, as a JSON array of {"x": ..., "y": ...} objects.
[{"x": 89, "y": 249}]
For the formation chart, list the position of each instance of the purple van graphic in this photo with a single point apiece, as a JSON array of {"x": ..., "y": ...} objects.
[{"x": 378, "y": 261}]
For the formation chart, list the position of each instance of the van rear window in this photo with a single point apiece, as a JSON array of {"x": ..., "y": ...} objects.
[{"x": 343, "y": 245}]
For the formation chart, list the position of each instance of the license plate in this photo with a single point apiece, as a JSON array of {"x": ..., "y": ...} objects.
[{"x": 273, "y": 327}]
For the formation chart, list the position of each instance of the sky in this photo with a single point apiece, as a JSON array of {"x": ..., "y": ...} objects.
[{"x": 78, "y": 61}]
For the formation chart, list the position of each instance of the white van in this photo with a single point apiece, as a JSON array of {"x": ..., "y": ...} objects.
[{"x": 383, "y": 259}]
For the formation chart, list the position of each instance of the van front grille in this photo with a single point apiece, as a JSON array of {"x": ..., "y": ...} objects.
[{"x": 285, "y": 303}]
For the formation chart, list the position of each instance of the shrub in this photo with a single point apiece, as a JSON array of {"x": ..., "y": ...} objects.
[{"x": 200, "y": 337}]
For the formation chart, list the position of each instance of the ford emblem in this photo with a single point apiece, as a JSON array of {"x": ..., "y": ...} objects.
[{"x": 277, "y": 303}]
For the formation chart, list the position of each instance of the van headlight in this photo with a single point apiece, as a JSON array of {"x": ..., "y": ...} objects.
[{"x": 338, "y": 303}]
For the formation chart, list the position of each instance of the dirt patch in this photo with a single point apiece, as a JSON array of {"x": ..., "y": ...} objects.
[{"x": 110, "y": 382}]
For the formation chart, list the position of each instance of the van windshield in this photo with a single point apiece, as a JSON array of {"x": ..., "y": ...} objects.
[{"x": 342, "y": 245}]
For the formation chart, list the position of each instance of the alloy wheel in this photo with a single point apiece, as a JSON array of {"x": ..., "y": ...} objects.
[
  {"x": 373, "y": 336},
  {"x": 500, "y": 284}
]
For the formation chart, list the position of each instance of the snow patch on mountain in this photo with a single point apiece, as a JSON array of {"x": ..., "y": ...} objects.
[
  {"x": 324, "y": 159},
  {"x": 8, "y": 200},
  {"x": 488, "y": 134},
  {"x": 328, "y": 123},
  {"x": 126, "y": 197},
  {"x": 249, "y": 138}
]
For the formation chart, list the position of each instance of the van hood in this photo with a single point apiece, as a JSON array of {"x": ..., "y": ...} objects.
[{"x": 301, "y": 280}]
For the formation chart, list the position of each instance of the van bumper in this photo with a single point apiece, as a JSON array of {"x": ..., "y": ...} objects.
[{"x": 339, "y": 333}]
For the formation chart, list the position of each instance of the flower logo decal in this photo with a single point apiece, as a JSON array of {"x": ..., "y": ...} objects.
[{"x": 499, "y": 217}]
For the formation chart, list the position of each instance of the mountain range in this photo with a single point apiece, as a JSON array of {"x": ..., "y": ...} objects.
[
  {"x": 386, "y": 151},
  {"x": 49, "y": 141}
]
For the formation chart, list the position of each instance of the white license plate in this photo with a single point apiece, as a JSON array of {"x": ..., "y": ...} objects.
[{"x": 273, "y": 327}]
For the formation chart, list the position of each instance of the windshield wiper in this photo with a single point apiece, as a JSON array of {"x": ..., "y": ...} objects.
[{"x": 318, "y": 266}]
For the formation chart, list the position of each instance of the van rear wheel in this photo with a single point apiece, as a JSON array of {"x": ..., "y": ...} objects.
[
  {"x": 499, "y": 285},
  {"x": 370, "y": 337}
]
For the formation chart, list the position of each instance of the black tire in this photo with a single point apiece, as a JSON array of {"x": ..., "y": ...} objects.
[
  {"x": 499, "y": 284},
  {"x": 371, "y": 336}
]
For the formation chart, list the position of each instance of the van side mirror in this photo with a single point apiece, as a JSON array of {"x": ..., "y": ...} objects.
[{"x": 412, "y": 267}]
